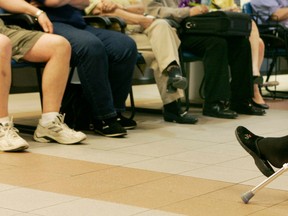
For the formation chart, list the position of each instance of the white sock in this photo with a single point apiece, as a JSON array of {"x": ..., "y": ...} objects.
[
  {"x": 46, "y": 118},
  {"x": 4, "y": 120}
]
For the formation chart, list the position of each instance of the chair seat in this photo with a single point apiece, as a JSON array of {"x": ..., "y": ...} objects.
[
  {"x": 275, "y": 52},
  {"x": 190, "y": 57},
  {"x": 16, "y": 64}
]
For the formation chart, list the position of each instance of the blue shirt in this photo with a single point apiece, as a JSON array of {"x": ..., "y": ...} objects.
[
  {"x": 265, "y": 8},
  {"x": 65, "y": 14}
]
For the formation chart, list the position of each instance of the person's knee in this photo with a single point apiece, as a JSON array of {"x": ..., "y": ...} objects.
[
  {"x": 126, "y": 45},
  {"x": 217, "y": 44},
  {"x": 132, "y": 45},
  {"x": 161, "y": 25},
  {"x": 161, "y": 22},
  {"x": 60, "y": 45},
  {"x": 5, "y": 45}
]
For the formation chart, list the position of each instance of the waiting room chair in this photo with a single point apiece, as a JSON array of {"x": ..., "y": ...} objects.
[{"x": 185, "y": 58}]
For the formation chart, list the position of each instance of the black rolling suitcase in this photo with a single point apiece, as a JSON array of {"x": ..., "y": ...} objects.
[{"x": 222, "y": 23}]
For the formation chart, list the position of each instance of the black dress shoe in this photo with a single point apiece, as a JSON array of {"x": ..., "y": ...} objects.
[
  {"x": 261, "y": 106},
  {"x": 175, "y": 79},
  {"x": 247, "y": 108},
  {"x": 182, "y": 118},
  {"x": 218, "y": 110},
  {"x": 249, "y": 141}
]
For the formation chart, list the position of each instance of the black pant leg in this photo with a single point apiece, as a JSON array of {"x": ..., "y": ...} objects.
[
  {"x": 240, "y": 61},
  {"x": 214, "y": 51}
]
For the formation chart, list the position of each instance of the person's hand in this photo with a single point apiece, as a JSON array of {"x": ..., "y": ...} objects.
[
  {"x": 235, "y": 9},
  {"x": 35, "y": 3},
  {"x": 108, "y": 6},
  {"x": 147, "y": 21},
  {"x": 200, "y": 9},
  {"x": 45, "y": 23}
]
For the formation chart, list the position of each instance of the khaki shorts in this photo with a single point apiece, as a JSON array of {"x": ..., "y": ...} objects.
[{"x": 22, "y": 40}]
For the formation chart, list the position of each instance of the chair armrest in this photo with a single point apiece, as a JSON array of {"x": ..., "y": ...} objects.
[
  {"x": 100, "y": 20},
  {"x": 23, "y": 20},
  {"x": 106, "y": 21},
  {"x": 120, "y": 22},
  {"x": 173, "y": 23}
]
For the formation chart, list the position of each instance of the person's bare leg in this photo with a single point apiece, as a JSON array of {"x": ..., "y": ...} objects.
[
  {"x": 257, "y": 50},
  {"x": 56, "y": 51},
  {"x": 5, "y": 74},
  {"x": 9, "y": 138}
]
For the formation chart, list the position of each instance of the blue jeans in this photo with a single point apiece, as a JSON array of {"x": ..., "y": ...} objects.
[{"x": 105, "y": 63}]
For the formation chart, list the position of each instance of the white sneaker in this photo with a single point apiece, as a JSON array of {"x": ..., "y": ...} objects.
[
  {"x": 10, "y": 140},
  {"x": 58, "y": 131}
]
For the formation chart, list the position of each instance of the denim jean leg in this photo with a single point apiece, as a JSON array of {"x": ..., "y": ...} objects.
[
  {"x": 90, "y": 57},
  {"x": 122, "y": 55}
]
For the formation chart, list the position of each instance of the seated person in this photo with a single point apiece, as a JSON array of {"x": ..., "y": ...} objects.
[
  {"x": 271, "y": 10},
  {"x": 264, "y": 150},
  {"x": 218, "y": 54},
  {"x": 35, "y": 46},
  {"x": 257, "y": 48},
  {"x": 105, "y": 62},
  {"x": 157, "y": 36}
]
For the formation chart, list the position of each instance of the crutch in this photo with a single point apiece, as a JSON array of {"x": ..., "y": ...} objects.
[{"x": 249, "y": 194}]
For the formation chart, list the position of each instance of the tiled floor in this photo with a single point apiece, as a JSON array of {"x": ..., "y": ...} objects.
[{"x": 159, "y": 169}]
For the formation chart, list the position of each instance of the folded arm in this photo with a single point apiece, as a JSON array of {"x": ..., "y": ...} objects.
[
  {"x": 129, "y": 14},
  {"x": 80, "y": 4},
  {"x": 280, "y": 14},
  {"x": 169, "y": 9}
]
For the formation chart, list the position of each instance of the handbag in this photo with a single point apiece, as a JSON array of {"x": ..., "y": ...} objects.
[{"x": 222, "y": 23}]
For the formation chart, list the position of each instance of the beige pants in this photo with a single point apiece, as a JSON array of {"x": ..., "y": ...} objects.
[{"x": 159, "y": 46}]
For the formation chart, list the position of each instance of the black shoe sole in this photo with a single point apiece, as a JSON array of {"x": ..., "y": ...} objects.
[
  {"x": 247, "y": 111},
  {"x": 180, "y": 83},
  {"x": 262, "y": 165},
  {"x": 180, "y": 120},
  {"x": 110, "y": 135},
  {"x": 129, "y": 127},
  {"x": 261, "y": 106},
  {"x": 219, "y": 116},
  {"x": 176, "y": 83}
]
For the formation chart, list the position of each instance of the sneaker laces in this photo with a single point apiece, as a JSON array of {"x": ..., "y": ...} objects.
[
  {"x": 9, "y": 130},
  {"x": 59, "y": 123}
]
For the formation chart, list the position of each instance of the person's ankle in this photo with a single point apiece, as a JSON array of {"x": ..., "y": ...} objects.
[{"x": 172, "y": 107}]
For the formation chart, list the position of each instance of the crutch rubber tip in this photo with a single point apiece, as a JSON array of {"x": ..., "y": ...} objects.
[{"x": 247, "y": 196}]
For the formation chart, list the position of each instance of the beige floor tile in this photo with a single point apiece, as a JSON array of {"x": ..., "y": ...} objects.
[
  {"x": 276, "y": 210},
  {"x": 200, "y": 206},
  {"x": 142, "y": 196},
  {"x": 159, "y": 169},
  {"x": 186, "y": 185},
  {"x": 265, "y": 198}
]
